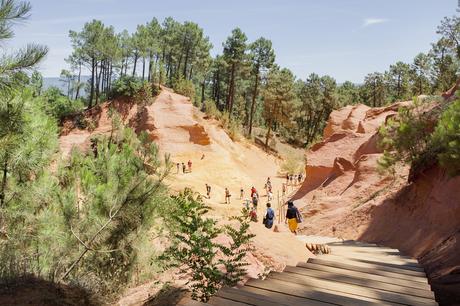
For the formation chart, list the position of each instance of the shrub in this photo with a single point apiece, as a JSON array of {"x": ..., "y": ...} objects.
[
  {"x": 58, "y": 105},
  {"x": 185, "y": 87},
  {"x": 447, "y": 137},
  {"x": 193, "y": 248},
  {"x": 211, "y": 109},
  {"x": 293, "y": 164},
  {"x": 406, "y": 137},
  {"x": 232, "y": 127},
  {"x": 126, "y": 86}
]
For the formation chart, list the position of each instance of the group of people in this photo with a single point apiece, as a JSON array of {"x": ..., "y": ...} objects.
[
  {"x": 293, "y": 217},
  {"x": 185, "y": 168},
  {"x": 294, "y": 179}
]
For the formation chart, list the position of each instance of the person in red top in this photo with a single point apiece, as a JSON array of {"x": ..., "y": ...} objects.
[
  {"x": 189, "y": 166},
  {"x": 253, "y": 190}
]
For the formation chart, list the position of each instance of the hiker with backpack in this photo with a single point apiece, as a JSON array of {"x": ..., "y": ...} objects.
[
  {"x": 293, "y": 217},
  {"x": 269, "y": 217}
]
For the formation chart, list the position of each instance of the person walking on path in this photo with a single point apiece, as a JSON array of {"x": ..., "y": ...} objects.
[
  {"x": 293, "y": 217},
  {"x": 270, "y": 195},
  {"x": 255, "y": 200},
  {"x": 241, "y": 193},
  {"x": 253, "y": 190},
  {"x": 178, "y": 167},
  {"x": 208, "y": 191},
  {"x": 284, "y": 189},
  {"x": 183, "y": 168},
  {"x": 189, "y": 166},
  {"x": 269, "y": 217},
  {"x": 227, "y": 196}
]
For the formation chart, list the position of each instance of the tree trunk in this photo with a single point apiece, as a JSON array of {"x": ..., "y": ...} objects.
[
  {"x": 91, "y": 96},
  {"x": 149, "y": 75},
  {"x": 231, "y": 86},
  {"x": 135, "y": 63},
  {"x": 202, "y": 90},
  {"x": 78, "y": 83},
  {"x": 143, "y": 68},
  {"x": 5, "y": 173},
  {"x": 97, "y": 84},
  {"x": 253, "y": 104},
  {"x": 267, "y": 137}
]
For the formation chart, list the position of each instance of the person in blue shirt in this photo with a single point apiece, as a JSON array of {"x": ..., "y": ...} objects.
[{"x": 269, "y": 216}]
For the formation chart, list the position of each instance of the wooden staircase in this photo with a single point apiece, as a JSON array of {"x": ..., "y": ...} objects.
[{"x": 353, "y": 274}]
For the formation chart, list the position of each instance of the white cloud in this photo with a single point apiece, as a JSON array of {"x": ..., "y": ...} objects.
[{"x": 372, "y": 21}]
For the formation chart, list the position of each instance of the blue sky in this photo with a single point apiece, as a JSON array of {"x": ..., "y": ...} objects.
[{"x": 343, "y": 38}]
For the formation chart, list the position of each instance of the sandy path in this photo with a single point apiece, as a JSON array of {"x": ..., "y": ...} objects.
[{"x": 226, "y": 163}]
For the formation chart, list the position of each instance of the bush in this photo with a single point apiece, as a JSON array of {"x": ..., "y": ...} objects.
[
  {"x": 58, "y": 105},
  {"x": 447, "y": 137},
  {"x": 406, "y": 137},
  {"x": 194, "y": 249},
  {"x": 232, "y": 127},
  {"x": 126, "y": 86},
  {"x": 293, "y": 164},
  {"x": 211, "y": 109},
  {"x": 185, "y": 87}
]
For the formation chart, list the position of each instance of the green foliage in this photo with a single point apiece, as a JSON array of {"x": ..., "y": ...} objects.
[
  {"x": 234, "y": 261},
  {"x": 58, "y": 105},
  {"x": 211, "y": 109},
  {"x": 83, "y": 224},
  {"x": 194, "y": 251},
  {"x": 13, "y": 65},
  {"x": 185, "y": 87},
  {"x": 127, "y": 86},
  {"x": 406, "y": 137},
  {"x": 447, "y": 137},
  {"x": 293, "y": 164},
  {"x": 192, "y": 248}
]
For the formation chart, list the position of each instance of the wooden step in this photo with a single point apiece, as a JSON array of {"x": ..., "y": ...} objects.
[
  {"x": 363, "y": 275},
  {"x": 218, "y": 301},
  {"x": 364, "y": 246},
  {"x": 380, "y": 256},
  {"x": 348, "y": 266},
  {"x": 310, "y": 293},
  {"x": 374, "y": 265},
  {"x": 251, "y": 298},
  {"x": 372, "y": 260},
  {"x": 189, "y": 302},
  {"x": 367, "y": 250},
  {"x": 284, "y": 299},
  {"x": 359, "y": 281},
  {"x": 357, "y": 290}
]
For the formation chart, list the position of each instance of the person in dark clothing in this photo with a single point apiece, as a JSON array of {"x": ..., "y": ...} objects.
[
  {"x": 269, "y": 217},
  {"x": 183, "y": 168},
  {"x": 208, "y": 191},
  {"x": 292, "y": 217}
]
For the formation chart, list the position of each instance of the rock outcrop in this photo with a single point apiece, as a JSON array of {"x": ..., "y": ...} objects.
[{"x": 345, "y": 195}]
